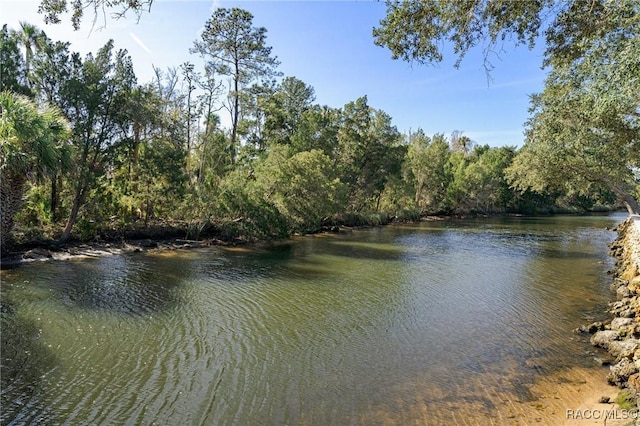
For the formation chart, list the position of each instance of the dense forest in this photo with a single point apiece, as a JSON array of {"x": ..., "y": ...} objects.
[{"x": 88, "y": 152}]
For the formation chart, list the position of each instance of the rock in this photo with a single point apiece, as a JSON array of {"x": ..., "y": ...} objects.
[
  {"x": 604, "y": 400},
  {"x": 634, "y": 284},
  {"x": 617, "y": 323},
  {"x": 621, "y": 372},
  {"x": 619, "y": 282},
  {"x": 623, "y": 291},
  {"x": 604, "y": 338},
  {"x": 616, "y": 305},
  {"x": 601, "y": 361},
  {"x": 623, "y": 348},
  {"x": 148, "y": 244},
  {"x": 37, "y": 253},
  {"x": 591, "y": 328},
  {"x": 634, "y": 381},
  {"x": 627, "y": 313}
]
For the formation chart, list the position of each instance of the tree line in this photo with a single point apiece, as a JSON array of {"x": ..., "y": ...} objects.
[{"x": 86, "y": 147}]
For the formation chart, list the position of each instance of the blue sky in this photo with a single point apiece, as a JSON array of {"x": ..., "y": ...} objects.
[{"x": 328, "y": 45}]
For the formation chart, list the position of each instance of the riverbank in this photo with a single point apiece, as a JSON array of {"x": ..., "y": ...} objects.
[
  {"x": 151, "y": 240},
  {"x": 176, "y": 236},
  {"x": 164, "y": 236},
  {"x": 620, "y": 336}
]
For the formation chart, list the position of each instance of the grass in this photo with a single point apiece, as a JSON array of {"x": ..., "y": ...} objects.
[{"x": 626, "y": 400}]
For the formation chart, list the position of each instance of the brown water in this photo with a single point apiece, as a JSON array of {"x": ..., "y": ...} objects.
[{"x": 436, "y": 323}]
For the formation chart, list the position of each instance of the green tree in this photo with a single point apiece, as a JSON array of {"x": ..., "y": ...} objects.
[
  {"x": 427, "y": 168},
  {"x": 50, "y": 72},
  {"x": 161, "y": 179},
  {"x": 31, "y": 38},
  {"x": 13, "y": 75},
  {"x": 304, "y": 187},
  {"x": 479, "y": 184},
  {"x": 368, "y": 153},
  {"x": 584, "y": 129},
  {"x": 285, "y": 108},
  {"x": 317, "y": 128},
  {"x": 241, "y": 204},
  {"x": 584, "y": 126},
  {"x": 233, "y": 47},
  {"x": 32, "y": 143},
  {"x": 96, "y": 97},
  {"x": 572, "y": 146},
  {"x": 131, "y": 153},
  {"x": 416, "y": 30},
  {"x": 191, "y": 80}
]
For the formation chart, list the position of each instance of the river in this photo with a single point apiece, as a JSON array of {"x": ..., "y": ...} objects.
[{"x": 462, "y": 322}]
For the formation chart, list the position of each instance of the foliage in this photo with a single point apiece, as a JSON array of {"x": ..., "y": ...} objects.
[
  {"x": 285, "y": 108},
  {"x": 428, "y": 167},
  {"x": 94, "y": 100},
  {"x": 626, "y": 400},
  {"x": 583, "y": 132},
  {"x": 12, "y": 66},
  {"x": 154, "y": 153},
  {"x": 479, "y": 184},
  {"x": 368, "y": 153},
  {"x": 32, "y": 144},
  {"x": 304, "y": 187},
  {"x": 233, "y": 47},
  {"x": 417, "y": 30},
  {"x": 245, "y": 212},
  {"x": 52, "y": 9}
]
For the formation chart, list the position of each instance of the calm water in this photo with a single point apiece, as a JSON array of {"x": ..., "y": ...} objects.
[{"x": 434, "y": 323}]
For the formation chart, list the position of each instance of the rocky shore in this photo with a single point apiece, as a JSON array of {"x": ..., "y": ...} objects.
[
  {"x": 620, "y": 337},
  {"x": 101, "y": 249}
]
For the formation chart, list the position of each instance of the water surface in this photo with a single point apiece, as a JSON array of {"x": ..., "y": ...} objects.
[{"x": 465, "y": 322}]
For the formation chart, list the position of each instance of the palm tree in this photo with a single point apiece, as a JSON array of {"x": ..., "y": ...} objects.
[
  {"x": 32, "y": 144},
  {"x": 31, "y": 38}
]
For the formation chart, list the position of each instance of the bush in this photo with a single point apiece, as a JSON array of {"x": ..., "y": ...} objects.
[
  {"x": 626, "y": 400},
  {"x": 408, "y": 215}
]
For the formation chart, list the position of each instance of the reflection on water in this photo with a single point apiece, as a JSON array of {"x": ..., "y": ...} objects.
[{"x": 436, "y": 323}]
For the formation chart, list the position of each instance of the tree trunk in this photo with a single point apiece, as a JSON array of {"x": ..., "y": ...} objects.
[
  {"x": 631, "y": 204},
  {"x": 77, "y": 201},
  {"x": 627, "y": 199},
  {"x": 236, "y": 111},
  {"x": 56, "y": 184},
  {"x": 11, "y": 193}
]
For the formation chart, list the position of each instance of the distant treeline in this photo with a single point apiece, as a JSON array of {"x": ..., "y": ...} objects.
[{"x": 113, "y": 152}]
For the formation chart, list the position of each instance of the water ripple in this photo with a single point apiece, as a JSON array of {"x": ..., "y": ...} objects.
[{"x": 392, "y": 326}]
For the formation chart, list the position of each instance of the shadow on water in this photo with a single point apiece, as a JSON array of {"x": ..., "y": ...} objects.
[
  {"x": 366, "y": 250},
  {"x": 304, "y": 261},
  {"x": 25, "y": 361},
  {"x": 128, "y": 284},
  {"x": 570, "y": 254},
  {"x": 123, "y": 284}
]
